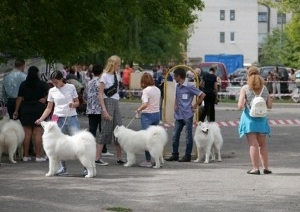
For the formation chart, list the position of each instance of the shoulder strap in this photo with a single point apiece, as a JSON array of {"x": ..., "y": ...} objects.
[
  {"x": 260, "y": 92},
  {"x": 116, "y": 79}
]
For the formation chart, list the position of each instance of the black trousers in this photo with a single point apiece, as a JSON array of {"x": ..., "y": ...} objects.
[
  {"x": 11, "y": 104},
  {"x": 94, "y": 124},
  {"x": 209, "y": 108}
]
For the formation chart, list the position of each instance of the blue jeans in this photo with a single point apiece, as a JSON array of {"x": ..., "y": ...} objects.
[
  {"x": 69, "y": 125},
  {"x": 148, "y": 119},
  {"x": 179, "y": 124}
]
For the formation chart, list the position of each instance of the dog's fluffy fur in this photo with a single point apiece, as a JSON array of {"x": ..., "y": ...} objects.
[
  {"x": 153, "y": 140},
  {"x": 208, "y": 137},
  {"x": 59, "y": 146},
  {"x": 11, "y": 137}
]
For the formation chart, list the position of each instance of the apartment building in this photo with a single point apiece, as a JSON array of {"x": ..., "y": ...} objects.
[{"x": 232, "y": 27}]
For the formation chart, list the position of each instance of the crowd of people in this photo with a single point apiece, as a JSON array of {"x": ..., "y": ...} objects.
[{"x": 100, "y": 91}]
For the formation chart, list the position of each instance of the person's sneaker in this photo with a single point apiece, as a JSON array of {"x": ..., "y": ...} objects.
[
  {"x": 146, "y": 164},
  {"x": 121, "y": 162},
  {"x": 85, "y": 171},
  {"x": 154, "y": 164},
  {"x": 107, "y": 154},
  {"x": 101, "y": 162},
  {"x": 172, "y": 158},
  {"x": 25, "y": 159},
  {"x": 61, "y": 172},
  {"x": 41, "y": 159},
  {"x": 185, "y": 158}
]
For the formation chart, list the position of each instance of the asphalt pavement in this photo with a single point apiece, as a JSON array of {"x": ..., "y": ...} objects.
[{"x": 220, "y": 186}]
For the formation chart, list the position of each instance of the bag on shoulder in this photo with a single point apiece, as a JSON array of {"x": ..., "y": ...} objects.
[
  {"x": 258, "y": 106},
  {"x": 112, "y": 90}
]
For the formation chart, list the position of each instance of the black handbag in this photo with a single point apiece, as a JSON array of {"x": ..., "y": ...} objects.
[{"x": 112, "y": 90}]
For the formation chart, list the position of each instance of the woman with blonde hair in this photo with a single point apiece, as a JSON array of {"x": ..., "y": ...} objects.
[
  {"x": 109, "y": 100},
  {"x": 255, "y": 128},
  {"x": 149, "y": 108}
]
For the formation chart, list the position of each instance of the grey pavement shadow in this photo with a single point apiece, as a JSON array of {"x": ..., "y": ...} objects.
[{"x": 287, "y": 174}]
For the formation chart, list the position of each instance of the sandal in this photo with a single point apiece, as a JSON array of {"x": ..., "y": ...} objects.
[
  {"x": 267, "y": 171},
  {"x": 257, "y": 172}
]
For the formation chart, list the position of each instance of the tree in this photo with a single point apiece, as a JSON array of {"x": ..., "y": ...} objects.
[
  {"x": 288, "y": 52},
  {"x": 293, "y": 32},
  {"x": 283, "y": 5},
  {"x": 74, "y": 30}
]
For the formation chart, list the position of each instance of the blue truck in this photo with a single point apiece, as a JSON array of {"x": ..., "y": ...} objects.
[{"x": 231, "y": 61}]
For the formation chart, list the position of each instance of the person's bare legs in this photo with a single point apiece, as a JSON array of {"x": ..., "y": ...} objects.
[
  {"x": 263, "y": 151},
  {"x": 118, "y": 151},
  {"x": 37, "y": 135},
  {"x": 253, "y": 150},
  {"x": 99, "y": 148},
  {"x": 27, "y": 139}
]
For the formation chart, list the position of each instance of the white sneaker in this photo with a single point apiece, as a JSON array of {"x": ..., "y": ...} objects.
[
  {"x": 61, "y": 172},
  {"x": 107, "y": 154},
  {"x": 41, "y": 159},
  {"x": 25, "y": 159},
  {"x": 146, "y": 164}
]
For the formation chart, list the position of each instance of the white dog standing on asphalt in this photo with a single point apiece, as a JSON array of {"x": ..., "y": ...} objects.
[
  {"x": 59, "y": 146},
  {"x": 11, "y": 137},
  {"x": 208, "y": 137},
  {"x": 153, "y": 139}
]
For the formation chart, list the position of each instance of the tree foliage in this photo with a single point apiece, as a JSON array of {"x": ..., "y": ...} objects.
[
  {"x": 283, "y": 5},
  {"x": 76, "y": 30},
  {"x": 283, "y": 47},
  {"x": 293, "y": 32}
]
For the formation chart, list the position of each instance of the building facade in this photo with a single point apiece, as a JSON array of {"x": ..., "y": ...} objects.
[{"x": 232, "y": 27}]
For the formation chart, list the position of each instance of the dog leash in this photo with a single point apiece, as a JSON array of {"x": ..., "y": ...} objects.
[
  {"x": 65, "y": 119},
  {"x": 131, "y": 120}
]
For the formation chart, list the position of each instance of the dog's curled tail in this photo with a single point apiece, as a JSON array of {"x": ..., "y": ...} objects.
[{"x": 159, "y": 134}]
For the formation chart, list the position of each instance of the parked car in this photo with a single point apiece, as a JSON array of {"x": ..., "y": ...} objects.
[
  {"x": 284, "y": 76},
  {"x": 238, "y": 77},
  {"x": 221, "y": 72}
]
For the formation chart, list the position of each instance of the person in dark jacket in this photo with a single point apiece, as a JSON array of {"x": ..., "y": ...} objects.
[{"x": 210, "y": 88}]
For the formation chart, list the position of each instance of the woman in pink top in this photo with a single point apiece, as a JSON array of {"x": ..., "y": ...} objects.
[{"x": 149, "y": 108}]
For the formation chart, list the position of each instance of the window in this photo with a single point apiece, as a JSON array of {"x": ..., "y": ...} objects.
[
  {"x": 281, "y": 18},
  {"x": 222, "y": 15},
  {"x": 222, "y": 37},
  {"x": 262, "y": 17},
  {"x": 232, "y": 15},
  {"x": 232, "y": 37}
]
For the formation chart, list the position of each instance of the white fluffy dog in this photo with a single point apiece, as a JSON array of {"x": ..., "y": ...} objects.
[
  {"x": 59, "y": 146},
  {"x": 153, "y": 140},
  {"x": 208, "y": 137},
  {"x": 11, "y": 137}
]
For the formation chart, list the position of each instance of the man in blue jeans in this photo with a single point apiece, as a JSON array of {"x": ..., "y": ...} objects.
[{"x": 184, "y": 114}]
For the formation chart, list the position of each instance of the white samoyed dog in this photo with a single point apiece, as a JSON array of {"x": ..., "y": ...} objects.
[
  {"x": 152, "y": 139},
  {"x": 11, "y": 137},
  {"x": 208, "y": 137},
  {"x": 59, "y": 146}
]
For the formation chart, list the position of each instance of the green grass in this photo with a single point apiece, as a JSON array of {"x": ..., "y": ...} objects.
[
  {"x": 222, "y": 100},
  {"x": 119, "y": 209},
  {"x": 131, "y": 100},
  {"x": 274, "y": 101}
]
